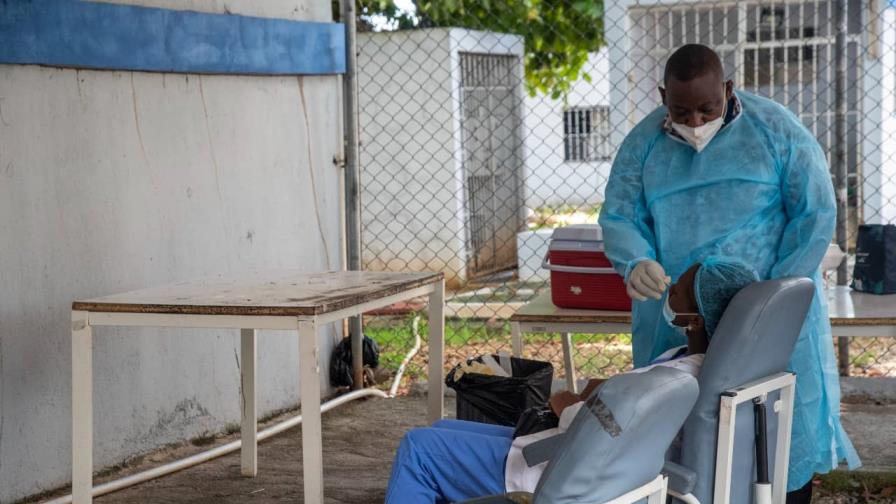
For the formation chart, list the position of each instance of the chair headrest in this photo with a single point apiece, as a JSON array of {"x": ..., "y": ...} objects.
[
  {"x": 754, "y": 339},
  {"x": 756, "y": 335}
]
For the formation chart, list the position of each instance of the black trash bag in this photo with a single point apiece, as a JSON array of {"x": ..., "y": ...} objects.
[
  {"x": 341, "y": 361},
  {"x": 502, "y": 400},
  {"x": 536, "y": 419},
  {"x": 875, "y": 269}
]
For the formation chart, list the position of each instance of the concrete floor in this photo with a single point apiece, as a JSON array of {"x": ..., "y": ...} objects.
[
  {"x": 872, "y": 429},
  {"x": 360, "y": 439}
]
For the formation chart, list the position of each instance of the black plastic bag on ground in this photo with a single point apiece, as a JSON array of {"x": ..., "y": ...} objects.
[
  {"x": 536, "y": 419},
  {"x": 341, "y": 361},
  {"x": 502, "y": 400},
  {"x": 875, "y": 269}
]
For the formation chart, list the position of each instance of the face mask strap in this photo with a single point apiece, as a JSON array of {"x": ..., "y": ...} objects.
[{"x": 668, "y": 312}]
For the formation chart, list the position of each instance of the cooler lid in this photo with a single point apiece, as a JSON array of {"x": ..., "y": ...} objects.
[
  {"x": 584, "y": 237},
  {"x": 579, "y": 232},
  {"x": 580, "y": 246}
]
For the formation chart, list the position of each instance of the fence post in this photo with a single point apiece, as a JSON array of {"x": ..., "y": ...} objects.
[
  {"x": 840, "y": 169},
  {"x": 352, "y": 176}
]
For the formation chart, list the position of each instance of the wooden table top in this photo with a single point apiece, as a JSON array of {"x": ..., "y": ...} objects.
[
  {"x": 542, "y": 309},
  {"x": 847, "y": 308},
  {"x": 272, "y": 293}
]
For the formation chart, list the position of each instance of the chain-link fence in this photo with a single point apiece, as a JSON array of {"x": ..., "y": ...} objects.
[{"x": 486, "y": 123}]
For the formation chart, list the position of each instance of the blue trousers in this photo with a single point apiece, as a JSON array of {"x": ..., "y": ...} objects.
[{"x": 451, "y": 461}]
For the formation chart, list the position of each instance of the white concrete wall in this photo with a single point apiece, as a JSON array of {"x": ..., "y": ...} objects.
[
  {"x": 551, "y": 181},
  {"x": 410, "y": 209},
  {"x": 412, "y": 179},
  {"x": 111, "y": 181}
]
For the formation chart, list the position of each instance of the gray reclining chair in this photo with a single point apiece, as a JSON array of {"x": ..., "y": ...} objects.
[
  {"x": 747, "y": 359},
  {"x": 614, "y": 449}
]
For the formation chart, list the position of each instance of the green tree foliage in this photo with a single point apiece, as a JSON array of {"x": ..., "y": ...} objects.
[{"x": 558, "y": 34}]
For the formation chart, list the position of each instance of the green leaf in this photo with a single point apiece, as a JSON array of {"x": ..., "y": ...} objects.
[{"x": 558, "y": 34}]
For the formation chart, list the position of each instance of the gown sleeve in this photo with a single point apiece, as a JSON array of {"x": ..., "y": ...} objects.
[
  {"x": 808, "y": 198},
  {"x": 626, "y": 223}
]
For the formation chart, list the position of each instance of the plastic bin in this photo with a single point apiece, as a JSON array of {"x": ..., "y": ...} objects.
[{"x": 502, "y": 400}]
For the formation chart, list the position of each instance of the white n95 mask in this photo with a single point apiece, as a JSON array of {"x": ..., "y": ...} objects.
[{"x": 700, "y": 136}]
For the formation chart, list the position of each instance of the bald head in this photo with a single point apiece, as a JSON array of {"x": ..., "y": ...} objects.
[
  {"x": 693, "y": 89},
  {"x": 691, "y": 61}
]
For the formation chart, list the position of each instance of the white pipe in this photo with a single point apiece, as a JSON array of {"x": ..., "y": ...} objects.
[
  {"x": 205, "y": 456},
  {"x": 407, "y": 358}
]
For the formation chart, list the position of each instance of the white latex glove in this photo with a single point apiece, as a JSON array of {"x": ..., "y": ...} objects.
[{"x": 647, "y": 279}]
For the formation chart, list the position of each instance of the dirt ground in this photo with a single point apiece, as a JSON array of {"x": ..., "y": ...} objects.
[{"x": 360, "y": 439}]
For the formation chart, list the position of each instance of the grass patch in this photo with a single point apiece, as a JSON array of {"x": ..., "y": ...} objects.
[
  {"x": 460, "y": 332},
  {"x": 563, "y": 215},
  {"x": 595, "y": 355}
]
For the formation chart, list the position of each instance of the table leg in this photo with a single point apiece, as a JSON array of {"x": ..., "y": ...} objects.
[
  {"x": 249, "y": 422},
  {"x": 516, "y": 339},
  {"x": 82, "y": 409},
  {"x": 357, "y": 332},
  {"x": 568, "y": 363},
  {"x": 437, "y": 352},
  {"x": 312, "y": 445}
]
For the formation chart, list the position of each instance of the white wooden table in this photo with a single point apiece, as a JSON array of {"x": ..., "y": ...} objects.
[
  {"x": 541, "y": 316},
  {"x": 281, "y": 300},
  {"x": 852, "y": 314}
]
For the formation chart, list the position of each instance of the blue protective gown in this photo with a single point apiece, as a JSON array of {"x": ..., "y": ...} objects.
[{"x": 759, "y": 192}]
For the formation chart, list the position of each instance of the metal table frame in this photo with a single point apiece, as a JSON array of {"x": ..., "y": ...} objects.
[{"x": 309, "y": 365}]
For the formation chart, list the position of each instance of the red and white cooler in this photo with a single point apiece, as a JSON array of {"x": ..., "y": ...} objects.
[{"x": 581, "y": 275}]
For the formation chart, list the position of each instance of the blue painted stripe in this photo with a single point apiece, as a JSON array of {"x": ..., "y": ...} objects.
[{"x": 82, "y": 34}]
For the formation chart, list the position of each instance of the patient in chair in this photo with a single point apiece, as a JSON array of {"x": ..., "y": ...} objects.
[{"x": 456, "y": 460}]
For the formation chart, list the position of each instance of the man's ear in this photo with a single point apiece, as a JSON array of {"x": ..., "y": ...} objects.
[
  {"x": 662, "y": 91},
  {"x": 729, "y": 89}
]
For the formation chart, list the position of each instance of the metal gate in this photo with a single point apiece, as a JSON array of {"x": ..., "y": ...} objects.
[
  {"x": 492, "y": 160},
  {"x": 780, "y": 49}
]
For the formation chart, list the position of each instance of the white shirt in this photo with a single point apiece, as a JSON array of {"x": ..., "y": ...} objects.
[{"x": 519, "y": 477}]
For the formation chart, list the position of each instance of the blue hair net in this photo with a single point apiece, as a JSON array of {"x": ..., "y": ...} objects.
[{"x": 716, "y": 283}]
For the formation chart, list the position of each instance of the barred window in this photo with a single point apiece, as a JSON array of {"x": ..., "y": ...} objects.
[{"x": 586, "y": 133}]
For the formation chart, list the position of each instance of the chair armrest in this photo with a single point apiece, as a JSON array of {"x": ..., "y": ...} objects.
[
  {"x": 542, "y": 450},
  {"x": 681, "y": 479}
]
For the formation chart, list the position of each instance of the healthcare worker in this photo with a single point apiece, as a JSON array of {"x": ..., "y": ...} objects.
[{"x": 717, "y": 172}]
